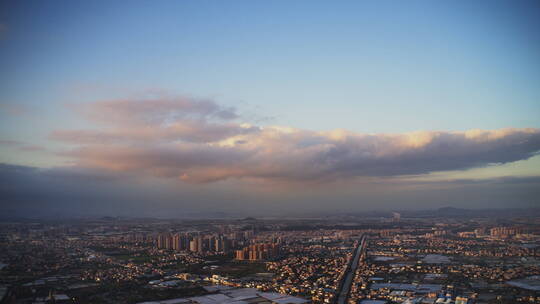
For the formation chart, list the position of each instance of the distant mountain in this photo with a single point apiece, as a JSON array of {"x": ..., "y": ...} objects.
[{"x": 249, "y": 219}]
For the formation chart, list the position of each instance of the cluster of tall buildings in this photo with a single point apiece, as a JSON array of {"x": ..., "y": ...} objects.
[
  {"x": 503, "y": 232},
  {"x": 194, "y": 243},
  {"x": 257, "y": 252}
]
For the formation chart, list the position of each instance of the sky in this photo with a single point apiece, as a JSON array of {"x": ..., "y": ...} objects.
[{"x": 183, "y": 108}]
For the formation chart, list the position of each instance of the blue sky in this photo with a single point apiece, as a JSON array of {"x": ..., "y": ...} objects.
[
  {"x": 363, "y": 66},
  {"x": 355, "y": 65}
]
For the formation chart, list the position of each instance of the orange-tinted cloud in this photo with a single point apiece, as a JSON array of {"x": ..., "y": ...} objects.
[{"x": 200, "y": 141}]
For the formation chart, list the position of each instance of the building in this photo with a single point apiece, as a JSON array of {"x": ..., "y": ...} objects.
[{"x": 257, "y": 252}]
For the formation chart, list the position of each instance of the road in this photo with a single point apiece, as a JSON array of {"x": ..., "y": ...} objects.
[{"x": 346, "y": 286}]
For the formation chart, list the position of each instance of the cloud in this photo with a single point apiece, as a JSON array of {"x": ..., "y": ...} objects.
[
  {"x": 535, "y": 179},
  {"x": 200, "y": 141},
  {"x": 21, "y": 146},
  {"x": 154, "y": 111},
  {"x": 75, "y": 191},
  {"x": 187, "y": 130},
  {"x": 155, "y": 120},
  {"x": 63, "y": 174},
  {"x": 32, "y": 148},
  {"x": 163, "y": 161},
  {"x": 30, "y": 191}
]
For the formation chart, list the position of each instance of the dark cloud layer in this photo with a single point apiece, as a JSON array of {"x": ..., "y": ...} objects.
[{"x": 70, "y": 191}]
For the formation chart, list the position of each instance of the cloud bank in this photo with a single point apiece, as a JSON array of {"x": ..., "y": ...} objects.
[
  {"x": 74, "y": 191},
  {"x": 200, "y": 141}
]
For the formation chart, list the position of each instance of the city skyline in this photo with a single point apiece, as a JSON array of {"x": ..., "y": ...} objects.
[{"x": 250, "y": 108}]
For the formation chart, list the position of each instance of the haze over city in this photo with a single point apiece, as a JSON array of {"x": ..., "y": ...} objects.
[{"x": 282, "y": 108}]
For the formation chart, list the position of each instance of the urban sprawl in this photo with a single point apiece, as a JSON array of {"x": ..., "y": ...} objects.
[{"x": 334, "y": 260}]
